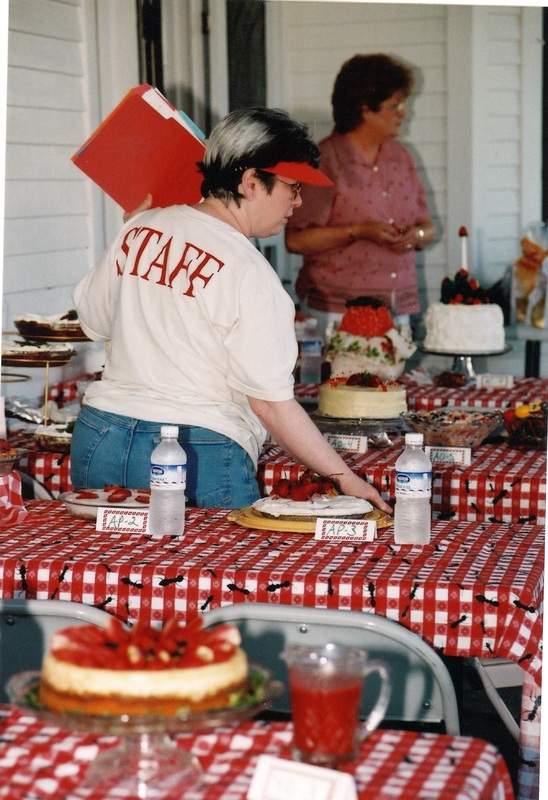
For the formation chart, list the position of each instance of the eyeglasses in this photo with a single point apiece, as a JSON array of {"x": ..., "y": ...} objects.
[
  {"x": 397, "y": 106},
  {"x": 295, "y": 187}
]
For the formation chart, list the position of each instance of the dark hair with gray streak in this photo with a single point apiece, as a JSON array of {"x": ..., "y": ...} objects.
[
  {"x": 252, "y": 138},
  {"x": 366, "y": 80}
]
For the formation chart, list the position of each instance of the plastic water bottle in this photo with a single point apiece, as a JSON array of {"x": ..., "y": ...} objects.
[
  {"x": 311, "y": 360},
  {"x": 166, "y": 514},
  {"x": 311, "y": 345},
  {"x": 412, "y": 513}
]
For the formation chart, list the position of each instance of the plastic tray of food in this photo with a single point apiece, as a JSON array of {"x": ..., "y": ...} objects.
[{"x": 455, "y": 427}]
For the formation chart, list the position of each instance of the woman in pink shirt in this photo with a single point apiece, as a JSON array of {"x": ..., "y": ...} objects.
[{"x": 359, "y": 236}]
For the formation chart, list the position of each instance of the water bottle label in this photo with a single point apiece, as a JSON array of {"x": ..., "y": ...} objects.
[
  {"x": 168, "y": 476},
  {"x": 311, "y": 347},
  {"x": 413, "y": 484}
]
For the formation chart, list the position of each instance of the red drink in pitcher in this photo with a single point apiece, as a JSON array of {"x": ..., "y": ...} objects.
[
  {"x": 325, "y": 687},
  {"x": 325, "y": 713}
]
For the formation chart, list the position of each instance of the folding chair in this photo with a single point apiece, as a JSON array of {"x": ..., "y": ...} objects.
[
  {"x": 26, "y": 627},
  {"x": 422, "y": 689}
]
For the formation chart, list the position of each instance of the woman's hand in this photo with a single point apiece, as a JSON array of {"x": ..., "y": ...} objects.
[
  {"x": 404, "y": 241},
  {"x": 383, "y": 234},
  {"x": 353, "y": 485},
  {"x": 145, "y": 205},
  {"x": 415, "y": 237}
]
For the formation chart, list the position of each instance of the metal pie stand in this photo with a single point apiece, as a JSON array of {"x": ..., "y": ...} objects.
[
  {"x": 14, "y": 377},
  {"x": 41, "y": 361}
]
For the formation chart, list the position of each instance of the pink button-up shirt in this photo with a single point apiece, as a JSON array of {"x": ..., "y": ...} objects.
[{"x": 391, "y": 190}]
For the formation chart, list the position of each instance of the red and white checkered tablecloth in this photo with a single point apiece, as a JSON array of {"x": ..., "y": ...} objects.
[
  {"x": 12, "y": 508},
  {"x": 477, "y": 589},
  {"x": 501, "y": 484},
  {"x": 40, "y": 760},
  {"x": 427, "y": 398},
  {"x": 52, "y": 470}
]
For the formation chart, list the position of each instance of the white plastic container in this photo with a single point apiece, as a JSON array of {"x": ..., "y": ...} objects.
[
  {"x": 412, "y": 513},
  {"x": 166, "y": 516}
]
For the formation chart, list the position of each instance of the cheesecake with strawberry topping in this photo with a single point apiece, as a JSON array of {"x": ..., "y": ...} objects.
[
  {"x": 118, "y": 670},
  {"x": 367, "y": 340},
  {"x": 361, "y": 396}
]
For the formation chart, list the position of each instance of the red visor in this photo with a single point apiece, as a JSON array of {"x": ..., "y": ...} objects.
[{"x": 299, "y": 171}]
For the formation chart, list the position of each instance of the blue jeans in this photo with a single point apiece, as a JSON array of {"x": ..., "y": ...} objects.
[{"x": 113, "y": 450}]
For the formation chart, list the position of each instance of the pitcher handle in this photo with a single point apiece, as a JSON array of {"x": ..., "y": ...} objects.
[{"x": 377, "y": 713}]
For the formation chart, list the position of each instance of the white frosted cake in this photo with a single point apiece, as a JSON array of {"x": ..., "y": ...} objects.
[
  {"x": 336, "y": 506},
  {"x": 347, "y": 398},
  {"x": 464, "y": 329},
  {"x": 464, "y": 321}
]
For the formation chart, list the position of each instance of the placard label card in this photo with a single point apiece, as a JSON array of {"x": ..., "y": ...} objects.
[
  {"x": 278, "y": 778},
  {"x": 347, "y": 443},
  {"x": 345, "y": 530},
  {"x": 487, "y": 380},
  {"x": 460, "y": 456},
  {"x": 122, "y": 520}
]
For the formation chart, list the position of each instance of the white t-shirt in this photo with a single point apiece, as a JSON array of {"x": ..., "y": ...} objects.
[{"x": 196, "y": 319}]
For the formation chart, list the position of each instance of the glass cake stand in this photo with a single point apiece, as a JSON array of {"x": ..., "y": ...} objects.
[
  {"x": 147, "y": 764},
  {"x": 463, "y": 362},
  {"x": 377, "y": 431}
]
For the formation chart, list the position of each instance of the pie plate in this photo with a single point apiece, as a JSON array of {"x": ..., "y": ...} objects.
[
  {"x": 87, "y": 508},
  {"x": 249, "y": 518}
]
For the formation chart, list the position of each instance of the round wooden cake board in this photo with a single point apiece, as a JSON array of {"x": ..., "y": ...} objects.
[{"x": 249, "y": 518}]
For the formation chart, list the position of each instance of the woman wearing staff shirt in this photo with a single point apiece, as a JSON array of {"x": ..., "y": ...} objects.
[{"x": 200, "y": 329}]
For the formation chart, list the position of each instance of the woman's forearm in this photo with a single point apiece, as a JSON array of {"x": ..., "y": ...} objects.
[
  {"x": 291, "y": 427},
  {"x": 311, "y": 241},
  {"x": 320, "y": 239}
]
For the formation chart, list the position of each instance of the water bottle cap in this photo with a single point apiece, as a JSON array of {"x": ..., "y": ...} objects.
[
  {"x": 414, "y": 439},
  {"x": 169, "y": 431}
]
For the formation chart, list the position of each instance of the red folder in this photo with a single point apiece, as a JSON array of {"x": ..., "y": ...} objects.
[{"x": 144, "y": 146}]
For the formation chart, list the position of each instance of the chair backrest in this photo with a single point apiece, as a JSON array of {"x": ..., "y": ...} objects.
[
  {"x": 26, "y": 627},
  {"x": 31, "y": 489},
  {"x": 422, "y": 689}
]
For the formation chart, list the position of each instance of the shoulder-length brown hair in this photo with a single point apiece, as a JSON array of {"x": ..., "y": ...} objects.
[{"x": 366, "y": 80}]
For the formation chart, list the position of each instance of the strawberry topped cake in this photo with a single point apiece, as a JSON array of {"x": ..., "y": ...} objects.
[
  {"x": 361, "y": 396},
  {"x": 368, "y": 341},
  {"x": 143, "y": 670},
  {"x": 309, "y": 498}
]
